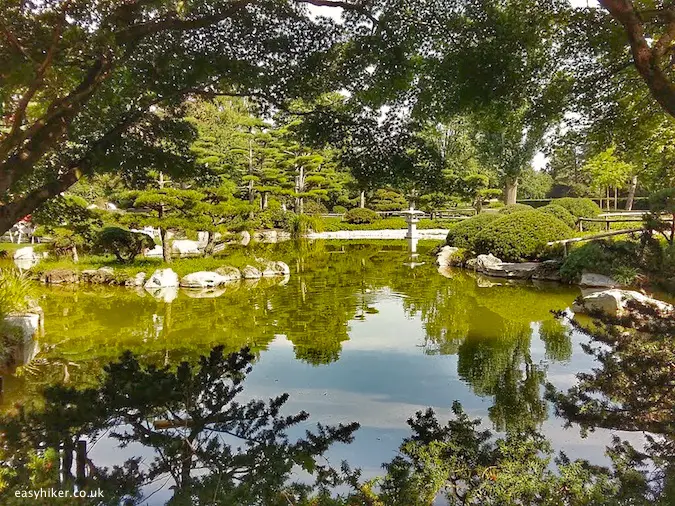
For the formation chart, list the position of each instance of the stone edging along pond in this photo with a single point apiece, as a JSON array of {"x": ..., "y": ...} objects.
[
  {"x": 603, "y": 293},
  {"x": 167, "y": 278}
]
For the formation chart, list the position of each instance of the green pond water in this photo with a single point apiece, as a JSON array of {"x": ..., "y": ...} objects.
[{"x": 355, "y": 334}]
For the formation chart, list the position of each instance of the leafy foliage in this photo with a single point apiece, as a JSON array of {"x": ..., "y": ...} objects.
[
  {"x": 359, "y": 215},
  {"x": 464, "y": 233},
  {"x": 514, "y": 208},
  {"x": 602, "y": 257},
  {"x": 124, "y": 244},
  {"x": 520, "y": 236},
  {"x": 579, "y": 207},
  {"x": 183, "y": 415},
  {"x": 561, "y": 213}
]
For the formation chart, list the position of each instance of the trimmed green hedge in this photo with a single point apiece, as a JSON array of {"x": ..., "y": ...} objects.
[
  {"x": 360, "y": 216},
  {"x": 515, "y": 208},
  {"x": 561, "y": 213},
  {"x": 463, "y": 234},
  {"x": 520, "y": 236},
  {"x": 579, "y": 207}
]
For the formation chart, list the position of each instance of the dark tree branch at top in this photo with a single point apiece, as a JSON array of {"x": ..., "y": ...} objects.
[{"x": 648, "y": 59}]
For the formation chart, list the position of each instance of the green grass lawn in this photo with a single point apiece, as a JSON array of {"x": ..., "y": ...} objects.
[
  {"x": 394, "y": 223},
  {"x": 10, "y": 246}
]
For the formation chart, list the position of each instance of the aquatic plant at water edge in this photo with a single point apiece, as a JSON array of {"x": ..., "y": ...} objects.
[{"x": 15, "y": 290}]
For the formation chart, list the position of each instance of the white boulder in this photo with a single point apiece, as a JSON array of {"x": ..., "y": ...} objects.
[
  {"x": 185, "y": 247},
  {"x": 137, "y": 280},
  {"x": 229, "y": 273},
  {"x": 448, "y": 257},
  {"x": 272, "y": 269},
  {"x": 162, "y": 278},
  {"x": 245, "y": 238},
  {"x": 166, "y": 294},
  {"x": 202, "y": 279},
  {"x": 598, "y": 280},
  {"x": 27, "y": 253},
  {"x": 614, "y": 302},
  {"x": 155, "y": 252},
  {"x": 482, "y": 262},
  {"x": 250, "y": 272}
]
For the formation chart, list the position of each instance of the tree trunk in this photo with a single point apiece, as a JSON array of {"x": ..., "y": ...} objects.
[
  {"x": 251, "y": 193},
  {"x": 363, "y": 199},
  {"x": 511, "y": 191},
  {"x": 631, "y": 193},
  {"x": 616, "y": 198},
  {"x": 210, "y": 244},
  {"x": 166, "y": 247},
  {"x": 607, "y": 199}
]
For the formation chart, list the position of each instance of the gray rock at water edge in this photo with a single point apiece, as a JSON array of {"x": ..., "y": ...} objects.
[
  {"x": 598, "y": 281},
  {"x": 449, "y": 256},
  {"x": 483, "y": 262},
  {"x": 523, "y": 270},
  {"x": 272, "y": 269},
  {"x": 60, "y": 277},
  {"x": 202, "y": 279},
  {"x": 137, "y": 280},
  {"x": 29, "y": 324},
  {"x": 250, "y": 272},
  {"x": 229, "y": 273},
  {"x": 102, "y": 276},
  {"x": 615, "y": 302},
  {"x": 163, "y": 278}
]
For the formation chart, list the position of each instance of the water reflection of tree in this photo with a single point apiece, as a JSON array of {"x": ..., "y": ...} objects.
[
  {"x": 487, "y": 327},
  {"x": 213, "y": 449}
]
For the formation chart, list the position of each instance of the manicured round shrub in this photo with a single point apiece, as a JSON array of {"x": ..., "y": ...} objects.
[
  {"x": 463, "y": 234},
  {"x": 561, "y": 213},
  {"x": 359, "y": 216},
  {"x": 515, "y": 208},
  {"x": 496, "y": 204},
  {"x": 520, "y": 236},
  {"x": 124, "y": 244},
  {"x": 339, "y": 209},
  {"x": 579, "y": 207}
]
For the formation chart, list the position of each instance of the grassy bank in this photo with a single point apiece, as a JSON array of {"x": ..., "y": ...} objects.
[{"x": 394, "y": 223}]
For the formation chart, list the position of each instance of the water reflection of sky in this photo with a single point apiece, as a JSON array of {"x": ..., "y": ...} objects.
[{"x": 386, "y": 370}]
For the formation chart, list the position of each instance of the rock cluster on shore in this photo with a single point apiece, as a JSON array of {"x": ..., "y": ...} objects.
[
  {"x": 167, "y": 278},
  {"x": 490, "y": 265}
]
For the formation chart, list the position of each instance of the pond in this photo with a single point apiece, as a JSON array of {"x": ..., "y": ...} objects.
[{"x": 355, "y": 334}]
